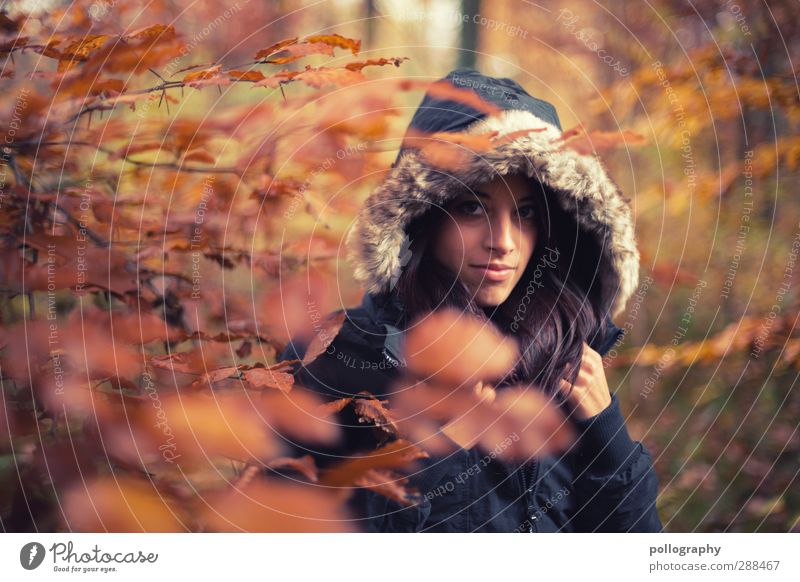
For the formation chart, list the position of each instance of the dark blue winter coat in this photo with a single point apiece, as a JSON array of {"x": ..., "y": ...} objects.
[{"x": 606, "y": 483}]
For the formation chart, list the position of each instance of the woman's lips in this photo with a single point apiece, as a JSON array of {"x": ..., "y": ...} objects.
[{"x": 494, "y": 274}]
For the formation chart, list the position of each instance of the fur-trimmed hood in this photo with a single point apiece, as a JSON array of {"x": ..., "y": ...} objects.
[{"x": 580, "y": 183}]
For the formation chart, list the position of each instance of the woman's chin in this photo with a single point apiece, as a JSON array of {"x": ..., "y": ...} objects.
[{"x": 492, "y": 295}]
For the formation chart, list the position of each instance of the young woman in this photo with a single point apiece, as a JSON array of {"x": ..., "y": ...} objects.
[{"x": 534, "y": 239}]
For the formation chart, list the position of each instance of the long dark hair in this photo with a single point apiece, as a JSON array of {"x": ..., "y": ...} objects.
[{"x": 551, "y": 311}]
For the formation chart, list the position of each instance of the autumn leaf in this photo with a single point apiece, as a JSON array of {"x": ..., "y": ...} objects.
[
  {"x": 454, "y": 348},
  {"x": 331, "y": 408},
  {"x": 336, "y": 40},
  {"x": 298, "y": 51},
  {"x": 16, "y": 43},
  {"x": 324, "y": 337},
  {"x": 304, "y": 465},
  {"x": 199, "y": 155},
  {"x": 323, "y": 76},
  {"x": 299, "y": 415},
  {"x": 245, "y": 75},
  {"x": 152, "y": 32},
  {"x": 121, "y": 504},
  {"x": 449, "y": 151},
  {"x": 374, "y": 410},
  {"x": 517, "y": 422},
  {"x": 272, "y": 49},
  {"x": 594, "y": 142},
  {"x": 196, "y": 427},
  {"x": 395, "y": 455},
  {"x": 269, "y": 505},
  {"x": 203, "y": 74},
  {"x": 390, "y": 484},
  {"x": 261, "y": 378},
  {"x": 276, "y": 79},
  {"x": 358, "y": 65},
  {"x": 446, "y": 91}
]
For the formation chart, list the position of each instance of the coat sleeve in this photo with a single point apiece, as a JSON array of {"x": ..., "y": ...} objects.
[
  {"x": 328, "y": 377},
  {"x": 614, "y": 479}
]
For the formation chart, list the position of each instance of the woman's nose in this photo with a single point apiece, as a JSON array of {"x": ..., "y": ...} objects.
[{"x": 500, "y": 234}]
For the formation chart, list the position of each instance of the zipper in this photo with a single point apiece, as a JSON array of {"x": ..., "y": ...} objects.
[
  {"x": 532, "y": 519},
  {"x": 395, "y": 363}
]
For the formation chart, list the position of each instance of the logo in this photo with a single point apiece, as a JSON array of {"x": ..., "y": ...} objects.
[
  {"x": 405, "y": 256},
  {"x": 31, "y": 555}
]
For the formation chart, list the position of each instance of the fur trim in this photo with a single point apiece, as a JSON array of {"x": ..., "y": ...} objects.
[{"x": 584, "y": 189}]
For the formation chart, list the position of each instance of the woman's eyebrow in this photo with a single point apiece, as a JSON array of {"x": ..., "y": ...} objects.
[{"x": 525, "y": 198}]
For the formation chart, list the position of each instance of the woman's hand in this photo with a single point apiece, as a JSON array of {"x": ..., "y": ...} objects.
[{"x": 591, "y": 395}]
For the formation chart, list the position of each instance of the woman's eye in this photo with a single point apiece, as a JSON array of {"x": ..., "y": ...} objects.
[
  {"x": 526, "y": 212},
  {"x": 471, "y": 208}
]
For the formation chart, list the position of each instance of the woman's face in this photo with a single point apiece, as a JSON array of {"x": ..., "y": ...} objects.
[{"x": 492, "y": 225}]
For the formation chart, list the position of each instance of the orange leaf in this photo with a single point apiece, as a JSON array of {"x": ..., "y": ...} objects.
[
  {"x": 449, "y": 151},
  {"x": 323, "y": 76},
  {"x": 373, "y": 410},
  {"x": 324, "y": 337},
  {"x": 595, "y": 142},
  {"x": 245, "y": 75},
  {"x": 277, "y": 79},
  {"x": 304, "y": 465},
  {"x": 270, "y": 505},
  {"x": 261, "y": 378},
  {"x": 456, "y": 349},
  {"x": 337, "y": 40},
  {"x": 447, "y": 91},
  {"x": 203, "y": 74},
  {"x": 272, "y": 49},
  {"x": 387, "y": 483},
  {"x": 397, "y": 454},
  {"x": 152, "y": 32},
  {"x": 358, "y": 65},
  {"x": 331, "y": 408},
  {"x": 199, "y": 155},
  {"x": 298, "y": 51},
  {"x": 120, "y": 504}
]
